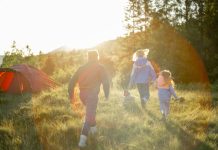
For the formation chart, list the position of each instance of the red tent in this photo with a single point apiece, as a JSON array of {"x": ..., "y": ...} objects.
[{"x": 23, "y": 78}]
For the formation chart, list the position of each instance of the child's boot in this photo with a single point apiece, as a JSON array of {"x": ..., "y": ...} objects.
[
  {"x": 143, "y": 102},
  {"x": 93, "y": 130},
  {"x": 82, "y": 141}
]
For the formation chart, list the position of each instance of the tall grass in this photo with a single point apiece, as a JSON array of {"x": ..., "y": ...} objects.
[
  {"x": 49, "y": 121},
  {"x": 17, "y": 128}
]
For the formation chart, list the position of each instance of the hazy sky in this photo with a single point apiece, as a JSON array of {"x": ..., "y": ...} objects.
[{"x": 48, "y": 24}]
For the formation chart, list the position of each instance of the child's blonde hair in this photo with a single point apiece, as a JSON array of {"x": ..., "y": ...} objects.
[
  {"x": 167, "y": 77},
  {"x": 140, "y": 53}
]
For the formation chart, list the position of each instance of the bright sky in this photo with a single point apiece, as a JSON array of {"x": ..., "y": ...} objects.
[{"x": 49, "y": 24}]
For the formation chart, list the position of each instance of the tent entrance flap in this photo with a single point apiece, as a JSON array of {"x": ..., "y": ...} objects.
[{"x": 7, "y": 78}]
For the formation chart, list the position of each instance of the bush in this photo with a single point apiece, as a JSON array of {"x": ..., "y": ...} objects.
[{"x": 63, "y": 75}]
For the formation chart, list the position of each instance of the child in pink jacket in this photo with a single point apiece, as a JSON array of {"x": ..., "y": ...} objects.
[{"x": 165, "y": 91}]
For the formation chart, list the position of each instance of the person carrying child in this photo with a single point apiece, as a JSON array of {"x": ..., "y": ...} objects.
[
  {"x": 89, "y": 77},
  {"x": 142, "y": 75},
  {"x": 165, "y": 91}
]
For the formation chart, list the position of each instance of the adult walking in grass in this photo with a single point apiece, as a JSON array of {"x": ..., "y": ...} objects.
[
  {"x": 89, "y": 77},
  {"x": 142, "y": 74}
]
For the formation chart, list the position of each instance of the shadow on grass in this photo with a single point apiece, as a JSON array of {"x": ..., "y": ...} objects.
[
  {"x": 128, "y": 135},
  {"x": 188, "y": 141},
  {"x": 132, "y": 107},
  {"x": 17, "y": 127}
]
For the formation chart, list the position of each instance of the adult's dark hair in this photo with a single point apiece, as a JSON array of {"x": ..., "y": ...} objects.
[{"x": 93, "y": 55}]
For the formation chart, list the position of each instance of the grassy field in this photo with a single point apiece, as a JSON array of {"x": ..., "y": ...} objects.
[{"x": 48, "y": 121}]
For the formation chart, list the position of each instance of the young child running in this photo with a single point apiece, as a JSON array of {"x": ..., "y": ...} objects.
[
  {"x": 142, "y": 74},
  {"x": 165, "y": 90}
]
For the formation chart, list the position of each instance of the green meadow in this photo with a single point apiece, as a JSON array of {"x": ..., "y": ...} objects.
[
  {"x": 181, "y": 36},
  {"x": 49, "y": 121}
]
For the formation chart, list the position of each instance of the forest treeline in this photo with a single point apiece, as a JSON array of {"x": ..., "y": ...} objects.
[
  {"x": 177, "y": 26},
  {"x": 181, "y": 36}
]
